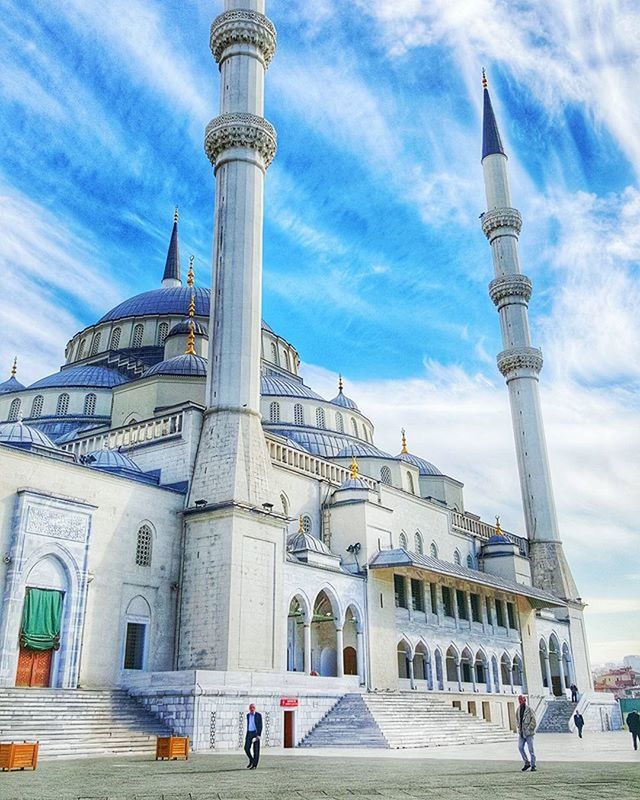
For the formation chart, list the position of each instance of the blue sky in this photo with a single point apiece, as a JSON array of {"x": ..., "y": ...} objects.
[{"x": 375, "y": 263}]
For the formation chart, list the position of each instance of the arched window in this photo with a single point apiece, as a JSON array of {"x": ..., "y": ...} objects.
[
  {"x": 36, "y": 406},
  {"x": 385, "y": 475},
  {"x": 95, "y": 344},
  {"x": 138, "y": 333},
  {"x": 285, "y": 504},
  {"x": 354, "y": 427},
  {"x": 62, "y": 406},
  {"x": 470, "y": 562},
  {"x": 320, "y": 418},
  {"x": 412, "y": 488},
  {"x": 419, "y": 546},
  {"x": 161, "y": 335},
  {"x": 144, "y": 546},
  {"x": 403, "y": 540},
  {"x": 433, "y": 550},
  {"x": 90, "y": 404},
  {"x": 83, "y": 344},
  {"x": 339, "y": 423},
  {"x": 307, "y": 524},
  {"x": 274, "y": 353},
  {"x": 274, "y": 412},
  {"x": 365, "y": 433},
  {"x": 115, "y": 338},
  {"x": 298, "y": 414},
  {"x": 287, "y": 361},
  {"x": 14, "y": 410},
  {"x": 456, "y": 558}
]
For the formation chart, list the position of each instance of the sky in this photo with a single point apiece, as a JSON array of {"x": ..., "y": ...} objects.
[{"x": 375, "y": 264}]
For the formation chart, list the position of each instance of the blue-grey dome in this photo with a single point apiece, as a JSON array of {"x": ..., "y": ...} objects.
[
  {"x": 316, "y": 441},
  {"x": 497, "y": 539},
  {"x": 185, "y": 326},
  {"x": 164, "y": 301},
  {"x": 344, "y": 402},
  {"x": 11, "y": 385},
  {"x": 362, "y": 450},
  {"x": 301, "y": 541},
  {"x": 354, "y": 483},
  {"x": 424, "y": 467},
  {"x": 20, "y": 435},
  {"x": 88, "y": 376},
  {"x": 111, "y": 460},
  {"x": 185, "y": 365},
  {"x": 280, "y": 386}
]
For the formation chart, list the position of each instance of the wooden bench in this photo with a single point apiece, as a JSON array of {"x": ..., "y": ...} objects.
[
  {"x": 173, "y": 747},
  {"x": 18, "y": 755}
]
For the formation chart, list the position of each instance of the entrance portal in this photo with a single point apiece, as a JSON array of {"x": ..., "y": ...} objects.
[
  {"x": 289, "y": 736},
  {"x": 39, "y": 636},
  {"x": 34, "y": 668},
  {"x": 350, "y": 661}
]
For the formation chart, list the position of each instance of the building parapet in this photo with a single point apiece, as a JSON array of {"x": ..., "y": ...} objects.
[{"x": 484, "y": 530}]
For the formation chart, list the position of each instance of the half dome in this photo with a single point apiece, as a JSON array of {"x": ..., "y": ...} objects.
[
  {"x": 11, "y": 385},
  {"x": 279, "y": 386},
  {"x": 111, "y": 460},
  {"x": 186, "y": 365},
  {"x": 18, "y": 434},
  {"x": 424, "y": 467},
  {"x": 87, "y": 376}
]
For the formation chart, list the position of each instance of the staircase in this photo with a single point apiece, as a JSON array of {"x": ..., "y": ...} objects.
[
  {"x": 78, "y": 722},
  {"x": 348, "y": 724},
  {"x": 400, "y": 721},
  {"x": 556, "y": 717}
]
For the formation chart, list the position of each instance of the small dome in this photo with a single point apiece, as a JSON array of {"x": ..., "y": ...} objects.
[
  {"x": 185, "y": 365},
  {"x": 111, "y": 460},
  {"x": 344, "y": 402},
  {"x": 498, "y": 539},
  {"x": 11, "y": 385},
  {"x": 354, "y": 483},
  {"x": 424, "y": 467},
  {"x": 362, "y": 450},
  {"x": 184, "y": 327},
  {"x": 88, "y": 376},
  {"x": 20, "y": 435},
  {"x": 301, "y": 541},
  {"x": 279, "y": 386}
]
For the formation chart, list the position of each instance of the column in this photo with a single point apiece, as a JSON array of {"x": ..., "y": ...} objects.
[
  {"x": 307, "y": 648},
  {"x": 505, "y": 613},
  {"x": 360, "y": 656},
  {"x": 511, "y": 678},
  {"x": 429, "y": 667},
  {"x": 490, "y": 687},
  {"x": 454, "y": 596},
  {"x": 563, "y": 679},
  {"x": 547, "y": 670},
  {"x": 459, "y": 674},
  {"x": 467, "y": 596},
  {"x": 407, "y": 591},
  {"x": 412, "y": 681},
  {"x": 339, "y": 653},
  {"x": 483, "y": 613},
  {"x": 473, "y": 676}
]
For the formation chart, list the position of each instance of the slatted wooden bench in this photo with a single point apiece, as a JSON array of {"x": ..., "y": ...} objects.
[
  {"x": 172, "y": 747},
  {"x": 18, "y": 755}
]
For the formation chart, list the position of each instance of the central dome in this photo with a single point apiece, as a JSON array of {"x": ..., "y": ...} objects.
[{"x": 171, "y": 300}]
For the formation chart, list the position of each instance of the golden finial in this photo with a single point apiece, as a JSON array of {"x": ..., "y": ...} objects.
[
  {"x": 192, "y": 306},
  {"x": 191, "y": 338},
  {"x": 354, "y": 468},
  {"x": 485, "y": 82},
  {"x": 175, "y": 214},
  {"x": 340, "y": 384},
  {"x": 190, "y": 274},
  {"x": 301, "y": 524},
  {"x": 14, "y": 368},
  {"x": 405, "y": 449},
  {"x": 498, "y": 528}
]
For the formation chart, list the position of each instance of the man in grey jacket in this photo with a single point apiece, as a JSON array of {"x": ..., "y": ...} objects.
[{"x": 526, "y": 732}]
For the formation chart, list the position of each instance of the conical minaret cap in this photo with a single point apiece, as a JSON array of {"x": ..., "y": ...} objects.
[
  {"x": 491, "y": 141},
  {"x": 171, "y": 276}
]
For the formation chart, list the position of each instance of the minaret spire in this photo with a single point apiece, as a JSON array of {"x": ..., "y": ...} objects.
[
  {"x": 520, "y": 363},
  {"x": 171, "y": 276},
  {"x": 14, "y": 367}
]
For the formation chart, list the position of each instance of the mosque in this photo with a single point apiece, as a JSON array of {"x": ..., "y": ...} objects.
[{"x": 184, "y": 518}]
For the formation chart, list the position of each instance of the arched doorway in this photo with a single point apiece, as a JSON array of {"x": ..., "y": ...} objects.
[
  {"x": 404, "y": 660},
  {"x": 466, "y": 666},
  {"x": 555, "y": 667},
  {"x": 518, "y": 673},
  {"x": 422, "y": 665},
  {"x": 544, "y": 664},
  {"x": 297, "y": 620},
  {"x": 567, "y": 663},
  {"x": 350, "y": 659},
  {"x": 483, "y": 679},
  {"x": 324, "y": 639},
  {"x": 453, "y": 668},
  {"x": 505, "y": 670},
  {"x": 353, "y": 652}
]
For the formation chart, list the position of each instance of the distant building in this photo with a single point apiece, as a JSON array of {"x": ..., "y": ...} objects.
[
  {"x": 633, "y": 662},
  {"x": 621, "y": 682}
]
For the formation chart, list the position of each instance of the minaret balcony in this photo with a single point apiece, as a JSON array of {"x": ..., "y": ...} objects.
[
  {"x": 240, "y": 129},
  {"x": 508, "y": 289},
  {"x": 501, "y": 222},
  {"x": 520, "y": 362},
  {"x": 243, "y": 27}
]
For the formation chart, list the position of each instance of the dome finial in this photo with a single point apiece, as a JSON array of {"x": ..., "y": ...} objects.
[
  {"x": 340, "y": 384},
  {"x": 192, "y": 306},
  {"x": 191, "y": 274},
  {"x": 354, "y": 468},
  {"x": 404, "y": 449},
  {"x": 485, "y": 82},
  {"x": 175, "y": 214},
  {"x": 498, "y": 528},
  {"x": 14, "y": 367},
  {"x": 191, "y": 338},
  {"x": 301, "y": 524},
  {"x": 171, "y": 276}
]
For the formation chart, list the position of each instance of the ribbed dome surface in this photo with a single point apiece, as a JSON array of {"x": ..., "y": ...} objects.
[
  {"x": 185, "y": 326},
  {"x": 111, "y": 460},
  {"x": 164, "y": 301},
  {"x": 186, "y": 365},
  {"x": 84, "y": 376},
  {"x": 19, "y": 434},
  {"x": 424, "y": 467},
  {"x": 284, "y": 387},
  {"x": 305, "y": 541},
  {"x": 362, "y": 450},
  {"x": 343, "y": 401},
  {"x": 11, "y": 385}
]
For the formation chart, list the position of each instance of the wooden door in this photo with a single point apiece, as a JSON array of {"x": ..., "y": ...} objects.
[
  {"x": 350, "y": 661},
  {"x": 34, "y": 667},
  {"x": 288, "y": 729}
]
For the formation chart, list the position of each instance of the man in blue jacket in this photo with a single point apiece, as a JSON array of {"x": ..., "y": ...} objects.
[{"x": 252, "y": 739}]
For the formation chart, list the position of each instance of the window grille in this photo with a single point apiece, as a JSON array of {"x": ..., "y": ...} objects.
[
  {"x": 274, "y": 353},
  {"x": 403, "y": 540},
  {"x": 14, "y": 410},
  {"x": 298, "y": 414},
  {"x": 287, "y": 361},
  {"x": 163, "y": 330},
  {"x": 307, "y": 525},
  {"x": 470, "y": 563},
  {"x": 83, "y": 344},
  {"x": 95, "y": 344},
  {"x": 385, "y": 475},
  {"x": 90, "y": 404},
  {"x": 36, "y": 406},
  {"x": 115, "y": 338},
  {"x": 320, "y": 423},
  {"x": 138, "y": 332},
  {"x": 418, "y": 543},
  {"x": 456, "y": 558},
  {"x": 339, "y": 423},
  {"x": 62, "y": 406},
  {"x": 433, "y": 550},
  {"x": 144, "y": 546},
  {"x": 274, "y": 412},
  {"x": 354, "y": 427}
]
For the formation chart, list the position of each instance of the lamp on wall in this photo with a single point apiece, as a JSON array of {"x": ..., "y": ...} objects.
[
  {"x": 200, "y": 503},
  {"x": 268, "y": 507}
]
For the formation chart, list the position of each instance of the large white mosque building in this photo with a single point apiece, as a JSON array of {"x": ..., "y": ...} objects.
[{"x": 204, "y": 529}]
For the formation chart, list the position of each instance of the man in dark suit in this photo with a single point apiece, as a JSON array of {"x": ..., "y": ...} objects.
[
  {"x": 633, "y": 723},
  {"x": 579, "y": 723},
  {"x": 254, "y": 732}
]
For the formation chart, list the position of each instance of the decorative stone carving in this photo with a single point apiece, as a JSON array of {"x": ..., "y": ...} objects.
[
  {"x": 241, "y": 26},
  {"x": 519, "y": 358},
  {"x": 506, "y": 286},
  {"x": 501, "y": 218},
  {"x": 56, "y": 523},
  {"x": 240, "y": 130}
]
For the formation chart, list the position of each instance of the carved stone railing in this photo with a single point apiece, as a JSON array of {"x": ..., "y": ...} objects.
[
  {"x": 483, "y": 530},
  {"x": 128, "y": 435},
  {"x": 290, "y": 457}
]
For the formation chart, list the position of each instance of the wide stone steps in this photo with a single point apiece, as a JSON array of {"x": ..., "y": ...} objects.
[
  {"x": 348, "y": 724},
  {"x": 556, "y": 717},
  {"x": 75, "y": 723}
]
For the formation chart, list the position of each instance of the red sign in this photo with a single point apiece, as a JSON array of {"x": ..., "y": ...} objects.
[{"x": 288, "y": 702}]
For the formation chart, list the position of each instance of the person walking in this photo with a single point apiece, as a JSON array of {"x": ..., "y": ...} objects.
[
  {"x": 526, "y": 732},
  {"x": 252, "y": 739},
  {"x": 633, "y": 723},
  {"x": 578, "y": 720},
  {"x": 574, "y": 693}
]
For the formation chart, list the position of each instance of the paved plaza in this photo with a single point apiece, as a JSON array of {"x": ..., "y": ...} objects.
[{"x": 610, "y": 770}]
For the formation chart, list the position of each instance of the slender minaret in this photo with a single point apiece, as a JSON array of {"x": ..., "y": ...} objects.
[
  {"x": 231, "y": 589},
  {"x": 520, "y": 363},
  {"x": 171, "y": 276}
]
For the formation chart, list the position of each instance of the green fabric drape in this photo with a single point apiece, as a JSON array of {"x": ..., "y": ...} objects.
[{"x": 41, "y": 618}]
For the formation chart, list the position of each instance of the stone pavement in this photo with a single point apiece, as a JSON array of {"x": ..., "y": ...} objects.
[{"x": 303, "y": 776}]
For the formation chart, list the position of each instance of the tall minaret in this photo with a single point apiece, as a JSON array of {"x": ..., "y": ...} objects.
[
  {"x": 520, "y": 363},
  {"x": 230, "y": 589}
]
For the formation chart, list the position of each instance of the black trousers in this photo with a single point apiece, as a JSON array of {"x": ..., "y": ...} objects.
[
  {"x": 635, "y": 736},
  {"x": 252, "y": 739},
  {"x": 579, "y": 731}
]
